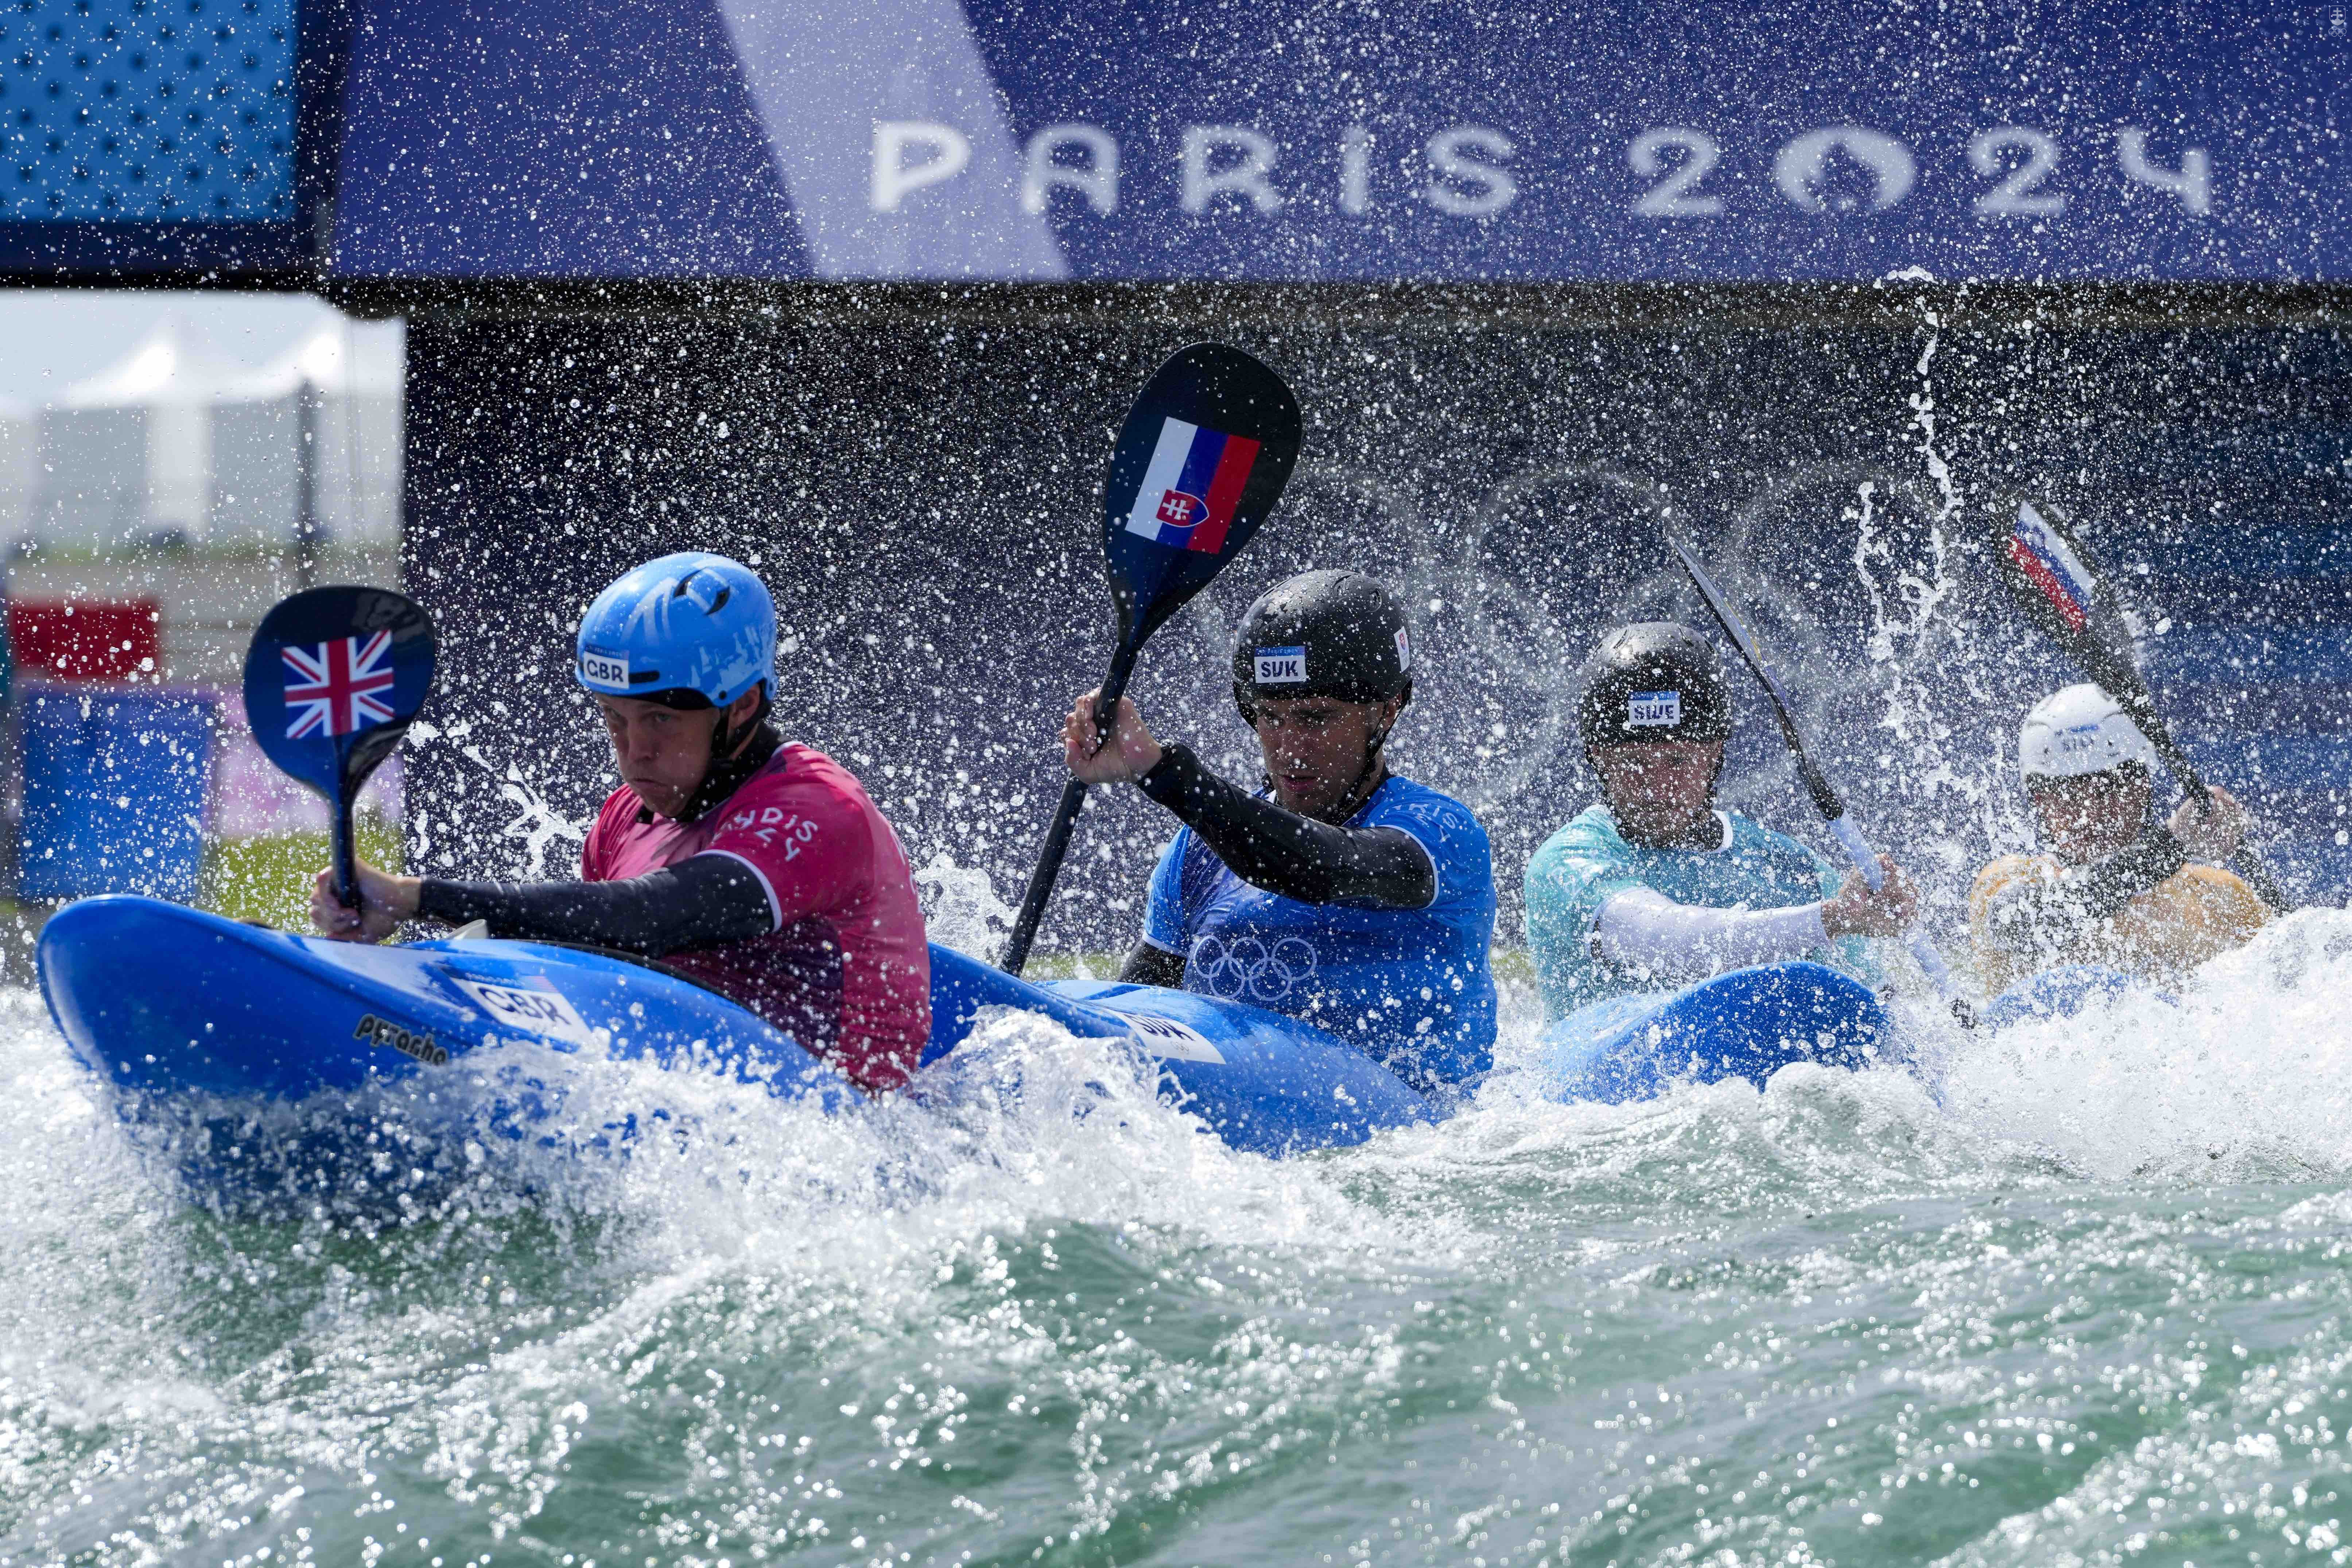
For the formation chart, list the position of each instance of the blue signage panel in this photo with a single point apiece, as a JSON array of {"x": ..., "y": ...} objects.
[
  {"x": 144, "y": 135},
  {"x": 1302, "y": 140}
]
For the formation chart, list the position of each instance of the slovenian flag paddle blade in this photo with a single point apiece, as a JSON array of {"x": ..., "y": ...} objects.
[
  {"x": 331, "y": 680},
  {"x": 1200, "y": 463},
  {"x": 2046, "y": 561}
]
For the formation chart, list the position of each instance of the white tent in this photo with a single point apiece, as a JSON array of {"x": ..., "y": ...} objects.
[
  {"x": 174, "y": 436},
  {"x": 354, "y": 370},
  {"x": 341, "y": 358},
  {"x": 129, "y": 450},
  {"x": 19, "y": 461}
]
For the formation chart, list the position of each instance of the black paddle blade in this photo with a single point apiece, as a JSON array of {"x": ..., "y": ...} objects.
[
  {"x": 333, "y": 679},
  {"x": 1752, "y": 648},
  {"x": 1200, "y": 462}
]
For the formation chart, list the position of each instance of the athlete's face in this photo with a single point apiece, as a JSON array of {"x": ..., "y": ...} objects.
[
  {"x": 2089, "y": 818},
  {"x": 1318, "y": 747},
  {"x": 1662, "y": 792},
  {"x": 662, "y": 753}
]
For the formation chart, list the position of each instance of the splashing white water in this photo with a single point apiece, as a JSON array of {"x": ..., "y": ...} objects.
[
  {"x": 962, "y": 908},
  {"x": 787, "y": 1322},
  {"x": 2245, "y": 1074},
  {"x": 537, "y": 824}
]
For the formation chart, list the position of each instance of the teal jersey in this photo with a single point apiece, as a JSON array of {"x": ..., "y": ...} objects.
[{"x": 1588, "y": 862}]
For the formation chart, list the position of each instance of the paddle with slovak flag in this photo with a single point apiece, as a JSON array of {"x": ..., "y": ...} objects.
[
  {"x": 333, "y": 679},
  {"x": 1201, "y": 460},
  {"x": 2062, "y": 592}
]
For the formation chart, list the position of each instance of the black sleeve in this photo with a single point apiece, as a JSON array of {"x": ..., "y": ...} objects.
[
  {"x": 1294, "y": 856},
  {"x": 702, "y": 900},
  {"x": 1149, "y": 965},
  {"x": 2032, "y": 911}
]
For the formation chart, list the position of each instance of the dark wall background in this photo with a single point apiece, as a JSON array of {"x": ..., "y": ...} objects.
[{"x": 918, "y": 481}]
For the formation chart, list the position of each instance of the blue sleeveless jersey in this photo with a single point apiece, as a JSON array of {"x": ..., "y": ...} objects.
[
  {"x": 1412, "y": 988},
  {"x": 1588, "y": 863}
]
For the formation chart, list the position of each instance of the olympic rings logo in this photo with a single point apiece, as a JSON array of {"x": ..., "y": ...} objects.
[{"x": 1248, "y": 970}]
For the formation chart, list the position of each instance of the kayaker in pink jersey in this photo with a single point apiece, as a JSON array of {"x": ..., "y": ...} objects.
[{"x": 757, "y": 867}]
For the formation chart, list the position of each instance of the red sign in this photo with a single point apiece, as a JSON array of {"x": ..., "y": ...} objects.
[{"x": 86, "y": 641}]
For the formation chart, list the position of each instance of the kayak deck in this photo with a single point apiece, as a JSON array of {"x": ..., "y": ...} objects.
[
  {"x": 187, "y": 1015},
  {"x": 1747, "y": 1022}
]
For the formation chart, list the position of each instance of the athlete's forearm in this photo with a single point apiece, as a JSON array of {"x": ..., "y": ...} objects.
[
  {"x": 1644, "y": 929},
  {"x": 2032, "y": 913},
  {"x": 1149, "y": 965},
  {"x": 1294, "y": 855},
  {"x": 700, "y": 900}
]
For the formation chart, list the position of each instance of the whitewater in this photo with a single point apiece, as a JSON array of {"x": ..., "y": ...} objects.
[{"x": 2072, "y": 1293}]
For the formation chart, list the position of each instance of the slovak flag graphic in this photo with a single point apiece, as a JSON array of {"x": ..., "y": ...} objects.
[
  {"x": 2042, "y": 554},
  {"x": 338, "y": 687},
  {"x": 1192, "y": 487}
]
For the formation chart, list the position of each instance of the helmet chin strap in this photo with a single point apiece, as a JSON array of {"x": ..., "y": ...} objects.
[
  {"x": 735, "y": 755},
  {"x": 1375, "y": 766}
]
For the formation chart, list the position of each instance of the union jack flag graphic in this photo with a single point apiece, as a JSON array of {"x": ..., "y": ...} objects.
[{"x": 340, "y": 687}]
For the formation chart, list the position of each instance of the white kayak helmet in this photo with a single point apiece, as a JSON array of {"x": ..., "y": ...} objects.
[{"x": 2077, "y": 731}]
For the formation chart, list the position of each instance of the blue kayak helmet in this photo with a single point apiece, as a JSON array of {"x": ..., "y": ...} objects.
[{"x": 689, "y": 630}]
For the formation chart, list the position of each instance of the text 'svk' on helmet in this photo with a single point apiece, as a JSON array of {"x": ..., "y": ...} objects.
[
  {"x": 1323, "y": 634},
  {"x": 687, "y": 629}
]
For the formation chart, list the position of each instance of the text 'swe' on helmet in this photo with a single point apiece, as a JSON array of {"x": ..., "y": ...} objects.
[{"x": 1652, "y": 680}]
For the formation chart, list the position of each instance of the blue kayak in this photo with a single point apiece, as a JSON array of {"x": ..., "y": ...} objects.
[
  {"x": 1750, "y": 1023},
  {"x": 2063, "y": 993},
  {"x": 195, "y": 1020}
]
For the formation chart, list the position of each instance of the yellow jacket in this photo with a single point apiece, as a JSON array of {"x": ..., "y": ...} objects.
[{"x": 2196, "y": 913}]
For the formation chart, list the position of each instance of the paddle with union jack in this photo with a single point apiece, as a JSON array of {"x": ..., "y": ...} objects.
[
  {"x": 333, "y": 679},
  {"x": 2062, "y": 592}
]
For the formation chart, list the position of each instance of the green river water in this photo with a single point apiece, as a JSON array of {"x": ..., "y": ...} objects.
[{"x": 2087, "y": 1300}]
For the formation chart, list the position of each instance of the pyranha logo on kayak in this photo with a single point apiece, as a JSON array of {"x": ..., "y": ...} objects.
[{"x": 385, "y": 1032}]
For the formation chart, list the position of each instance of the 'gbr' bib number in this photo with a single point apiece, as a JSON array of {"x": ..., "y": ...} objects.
[{"x": 543, "y": 1013}]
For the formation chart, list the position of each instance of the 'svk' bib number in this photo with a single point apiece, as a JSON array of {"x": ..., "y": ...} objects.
[{"x": 543, "y": 1013}]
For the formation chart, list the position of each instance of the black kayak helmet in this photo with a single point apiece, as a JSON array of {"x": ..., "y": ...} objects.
[
  {"x": 1652, "y": 680},
  {"x": 1323, "y": 634}
]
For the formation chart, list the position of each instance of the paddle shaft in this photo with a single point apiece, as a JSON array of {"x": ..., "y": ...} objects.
[
  {"x": 1817, "y": 784},
  {"x": 347, "y": 856},
  {"x": 1842, "y": 827},
  {"x": 1066, "y": 817}
]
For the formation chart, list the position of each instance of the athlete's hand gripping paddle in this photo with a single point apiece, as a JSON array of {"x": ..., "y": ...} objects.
[
  {"x": 333, "y": 679},
  {"x": 2063, "y": 592},
  {"x": 1200, "y": 461},
  {"x": 1826, "y": 799}
]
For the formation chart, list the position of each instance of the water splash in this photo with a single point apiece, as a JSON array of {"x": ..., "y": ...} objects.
[
  {"x": 1037, "y": 1311},
  {"x": 1918, "y": 641},
  {"x": 962, "y": 908},
  {"x": 536, "y": 823}
]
